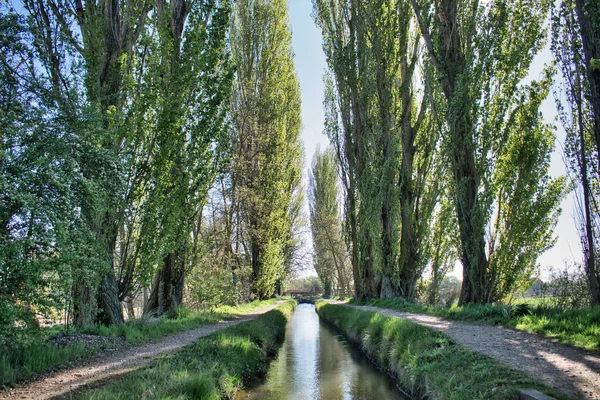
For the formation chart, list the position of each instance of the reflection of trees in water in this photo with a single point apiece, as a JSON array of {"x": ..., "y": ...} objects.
[{"x": 315, "y": 363}]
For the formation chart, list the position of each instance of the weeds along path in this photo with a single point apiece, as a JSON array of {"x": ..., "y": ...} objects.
[
  {"x": 573, "y": 371},
  {"x": 107, "y": 366}
]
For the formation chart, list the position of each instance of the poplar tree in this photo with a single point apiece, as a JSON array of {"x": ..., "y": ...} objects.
[
  {"x": 495, "y": 142},
  {"x": 190, "y": 75},
  {"x": 377, "y": 121},
  {"x": 579, "y": 118},
  {"x": 267, "y": 154},
  {"x": 330, "y": 256}
]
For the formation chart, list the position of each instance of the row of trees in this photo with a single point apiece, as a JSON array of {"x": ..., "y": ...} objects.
[
  {"x": 576, "y": 47},
  {"x": 440, "y": 146},
  {"x": 122, "y": 125}
]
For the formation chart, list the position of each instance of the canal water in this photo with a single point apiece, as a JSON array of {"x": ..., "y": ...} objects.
[{"x": 316, "y": 363}]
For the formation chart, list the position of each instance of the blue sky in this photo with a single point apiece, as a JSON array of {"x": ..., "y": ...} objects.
[{"x": 310, "y": 66}]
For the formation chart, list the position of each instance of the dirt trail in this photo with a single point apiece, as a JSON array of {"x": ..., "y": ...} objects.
[
  {"x": 573, "y": 371},
  {"x": 122, "y": 361}
]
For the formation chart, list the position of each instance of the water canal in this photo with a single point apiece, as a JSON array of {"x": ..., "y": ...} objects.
[{"x": 316, "y": 363}]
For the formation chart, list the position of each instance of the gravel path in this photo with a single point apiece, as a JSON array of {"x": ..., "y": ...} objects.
[
  {"x": 117, "y": 363},
  {"x": 573, "y": 371}
]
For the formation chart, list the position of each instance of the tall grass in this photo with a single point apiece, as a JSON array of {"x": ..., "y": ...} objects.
[
  {"x": 23, "y": 361},
  {"x": 579, "y": 327},
  {"x": 425, "y": 362},
  {"x": 213, "y": 368}
]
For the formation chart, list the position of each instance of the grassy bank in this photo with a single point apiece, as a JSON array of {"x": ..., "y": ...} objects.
[
  {"x": 426, "y": 362},
  {"x": 213, "y": 368},
  {"x": 579, "y": 328},
  {"x": 39, "y": 356}
]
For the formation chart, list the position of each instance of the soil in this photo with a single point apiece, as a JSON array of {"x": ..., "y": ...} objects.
[
  {"x": 573, "y": 371},
  {"x": 113, "y": 362},
  {"x": 104, "y": 342}
]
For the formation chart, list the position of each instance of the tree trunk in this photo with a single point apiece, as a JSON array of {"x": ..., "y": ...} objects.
[
  {"x": 167, "y": 286},
  {"x": 589, "y": 248},
  {"x": 84, "y": 308},
  {"x": 256, "y": 267},
  {"x": 588, "y": 16},
  {"x": 130, "y": 302},
  {"x": 109, "y": 305}
]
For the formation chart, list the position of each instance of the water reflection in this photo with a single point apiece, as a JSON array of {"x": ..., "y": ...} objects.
[{"x": 315, "y": 363}]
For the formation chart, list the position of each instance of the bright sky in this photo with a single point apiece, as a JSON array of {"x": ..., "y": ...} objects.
[{"x": 310, "y": 66}]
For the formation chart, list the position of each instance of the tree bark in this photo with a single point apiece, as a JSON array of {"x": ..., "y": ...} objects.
[
  {"x": 167, "y": 286},
  {"x": 455, "y": 84},
  {"x": 588, "y": 15}
]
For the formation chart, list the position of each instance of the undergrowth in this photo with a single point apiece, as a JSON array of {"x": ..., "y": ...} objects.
[
  {"x": 37, "y": 356},
  {"x": 425, "y": 362},
  {"x": 577, "y": 327},
  {"x": 213, "y": 368}
]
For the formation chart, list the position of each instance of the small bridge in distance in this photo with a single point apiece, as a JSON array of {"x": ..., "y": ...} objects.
[{"x": 303, "y": 296}]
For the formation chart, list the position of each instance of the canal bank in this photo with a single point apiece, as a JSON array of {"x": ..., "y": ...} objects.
[
  {"x": 214, "y": 367},
  {"x": 316, "y": 362},
  {"x": 427, "y": 363}
]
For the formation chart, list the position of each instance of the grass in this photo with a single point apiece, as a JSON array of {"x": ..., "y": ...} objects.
[
  {"x": 213, "y": 368},
  {"x": 22, "y": 362},
  {"x": 579, "y": 328},
  {"x": 425, "y": 362}
]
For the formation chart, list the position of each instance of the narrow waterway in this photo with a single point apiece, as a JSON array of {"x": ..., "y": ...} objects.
[{"x": 316, "y": 363}]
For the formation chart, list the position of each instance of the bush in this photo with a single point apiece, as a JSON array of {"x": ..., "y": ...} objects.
[{"x": 567, "y": 289}]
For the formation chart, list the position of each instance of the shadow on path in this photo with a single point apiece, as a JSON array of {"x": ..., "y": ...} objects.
[
  {"x": 97, "y": 370},
  {"x": 573, "y": 371}
]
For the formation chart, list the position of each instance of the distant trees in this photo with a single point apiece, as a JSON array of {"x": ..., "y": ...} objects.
[{"x": 330, "y": 257}]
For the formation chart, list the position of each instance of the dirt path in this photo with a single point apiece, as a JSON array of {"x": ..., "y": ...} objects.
[
  {"x": 575, "y": 372},
  {"x": 120, "y": 362}
]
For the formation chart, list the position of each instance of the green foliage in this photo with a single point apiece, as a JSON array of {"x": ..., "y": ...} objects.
[
  {"x": 425, "y": 361},
  {"x": 46, "y": 241},
  {"x": 330, "y": 255},
  {"x": 384, "y": 140},
  {"x": 213, "y": 368},
  {"x": 267, "y": 160}
]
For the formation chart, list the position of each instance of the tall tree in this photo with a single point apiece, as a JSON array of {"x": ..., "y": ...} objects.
[
  {"x": 330, "y": 256},
  {"x": 102, "y": 35},
  {"x": 376, "y": 117},
  {"x": 588, "y": 19},
  {"x": 577, "y": 116},
  {"x": 266, "y": 139},
  {"x": 480, "y": 54},
  {"x": 192, "y": 76}
]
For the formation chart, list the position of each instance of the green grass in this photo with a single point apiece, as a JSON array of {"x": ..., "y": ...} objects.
[
  {"x": 579, "y": 328},
  {"x": 36, "y": 357},
  {"x": 425, "y": 362},
  {"x": 215, "y": 367}
]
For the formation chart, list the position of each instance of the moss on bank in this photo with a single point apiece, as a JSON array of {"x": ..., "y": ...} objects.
[
  {"x": 215, "y": 367},
  {"x": 425, "y": 362}
]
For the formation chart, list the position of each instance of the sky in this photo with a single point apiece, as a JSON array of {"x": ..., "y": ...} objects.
[{"x": 310, "y": 66}]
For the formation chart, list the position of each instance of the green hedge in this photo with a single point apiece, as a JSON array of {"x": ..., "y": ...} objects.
[{"x": 426, "y": 362}]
